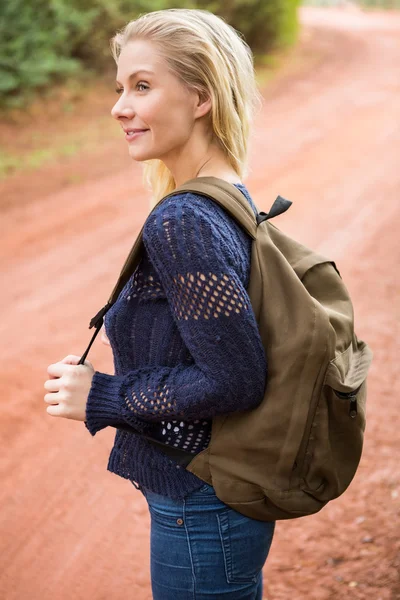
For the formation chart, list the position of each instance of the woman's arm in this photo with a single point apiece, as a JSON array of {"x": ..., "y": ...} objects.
[{"x": 214, "y": 316}]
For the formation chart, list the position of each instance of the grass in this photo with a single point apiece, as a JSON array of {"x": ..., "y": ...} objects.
[{"x": 45, "y": 152}]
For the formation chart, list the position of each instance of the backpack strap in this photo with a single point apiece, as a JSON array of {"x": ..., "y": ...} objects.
[
  {"x": 220, "y": 191},
  {"x": 235, "y": 203},
  {"x": 224, "y": 192},
  {"x": 214, "y": 188},
  {"x": 226, "y": 195}
]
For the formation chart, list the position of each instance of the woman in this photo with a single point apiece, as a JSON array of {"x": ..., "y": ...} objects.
[{"x": 183, "y": 334}]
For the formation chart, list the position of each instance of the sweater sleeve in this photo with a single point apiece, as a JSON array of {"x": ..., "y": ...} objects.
[{"x": 213, "y": 313}]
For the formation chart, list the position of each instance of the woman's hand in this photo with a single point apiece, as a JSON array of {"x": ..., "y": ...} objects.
[{"x": 69, "y": 388}]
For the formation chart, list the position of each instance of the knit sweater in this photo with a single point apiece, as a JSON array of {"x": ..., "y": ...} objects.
[{"x": 185, "y": 343}]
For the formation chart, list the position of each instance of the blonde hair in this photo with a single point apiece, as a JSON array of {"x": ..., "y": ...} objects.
[{"x": 209, "y": 56}]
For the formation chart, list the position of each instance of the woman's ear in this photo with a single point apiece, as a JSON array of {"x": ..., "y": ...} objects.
[{"x": 203, "y": 105}]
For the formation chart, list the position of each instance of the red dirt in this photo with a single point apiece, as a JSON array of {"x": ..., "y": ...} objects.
[{"x": 328, "y": 138}]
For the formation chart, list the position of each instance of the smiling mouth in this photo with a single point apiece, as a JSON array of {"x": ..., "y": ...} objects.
[{"x": 133, "y": 134}]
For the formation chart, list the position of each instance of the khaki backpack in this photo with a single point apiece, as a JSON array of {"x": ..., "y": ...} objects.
[{"x": 300, "y": 448}]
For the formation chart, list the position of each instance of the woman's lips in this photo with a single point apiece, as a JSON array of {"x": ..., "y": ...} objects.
[{"x": 132, "y": 136}]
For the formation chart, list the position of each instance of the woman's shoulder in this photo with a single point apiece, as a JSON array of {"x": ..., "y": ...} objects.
[
  {"x": 190, "y": 226},
  {"x": 194, "y": 206}
]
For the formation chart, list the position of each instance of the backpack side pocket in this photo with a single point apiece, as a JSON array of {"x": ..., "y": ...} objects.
[{"x": 337, "y": 431}]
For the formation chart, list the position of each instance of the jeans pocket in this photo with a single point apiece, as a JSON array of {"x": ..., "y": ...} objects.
[{"x": 245, "y": 544}]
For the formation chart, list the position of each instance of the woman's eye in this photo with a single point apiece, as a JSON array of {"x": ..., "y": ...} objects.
[{"x": 142, "y": 85}]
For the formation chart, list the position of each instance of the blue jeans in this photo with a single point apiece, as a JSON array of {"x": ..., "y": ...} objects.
[{"x": 200, "y": 549}]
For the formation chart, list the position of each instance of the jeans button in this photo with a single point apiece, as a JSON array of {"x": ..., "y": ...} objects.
[{"x": 179, "y": 521}]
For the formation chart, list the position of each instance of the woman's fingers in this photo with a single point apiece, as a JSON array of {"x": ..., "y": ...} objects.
[
  {"x": 52, "y": 385},
  {"x": 51, "y": 399}
]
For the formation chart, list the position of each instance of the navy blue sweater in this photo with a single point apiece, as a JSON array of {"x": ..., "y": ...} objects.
[{"x": 185, "y": 343}]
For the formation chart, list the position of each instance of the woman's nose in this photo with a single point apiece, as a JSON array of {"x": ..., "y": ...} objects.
[{"x": 122, "y": 109}]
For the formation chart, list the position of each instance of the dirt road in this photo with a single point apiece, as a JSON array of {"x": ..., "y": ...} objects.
[{"x": 328, "y": 139}]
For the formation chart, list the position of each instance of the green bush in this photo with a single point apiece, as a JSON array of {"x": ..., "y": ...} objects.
[
  {"x": 47, "y": 41},
  {"x": 38, "y": 44}
]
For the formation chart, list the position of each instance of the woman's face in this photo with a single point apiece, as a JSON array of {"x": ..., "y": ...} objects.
[{"x": 156, "y": 102}]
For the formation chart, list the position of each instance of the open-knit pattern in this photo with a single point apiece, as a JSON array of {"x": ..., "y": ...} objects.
[
  {"x": 206, "y": 295},
  {"x": 185, "y": 342}
]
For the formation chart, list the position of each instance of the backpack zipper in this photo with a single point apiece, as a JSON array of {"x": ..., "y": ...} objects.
[{"x": 352, "y": 396}]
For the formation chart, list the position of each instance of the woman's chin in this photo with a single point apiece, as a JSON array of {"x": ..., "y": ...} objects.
[{"x": 139, "y": 155}]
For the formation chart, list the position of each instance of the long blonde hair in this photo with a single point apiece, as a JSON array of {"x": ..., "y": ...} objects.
[{"x": 209, "y": 56}]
